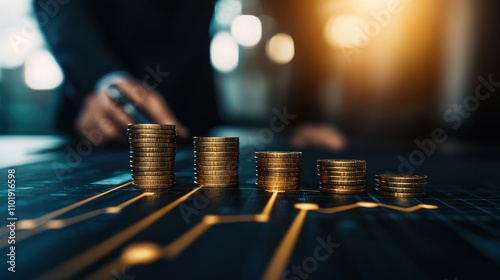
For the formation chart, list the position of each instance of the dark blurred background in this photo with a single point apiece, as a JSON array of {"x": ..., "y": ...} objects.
[{"x": 385, "y": 69}]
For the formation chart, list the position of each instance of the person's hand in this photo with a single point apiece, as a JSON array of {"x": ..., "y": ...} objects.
[
  {"x": 323, "y": 136},
  {"x": 101, "y": 115}
]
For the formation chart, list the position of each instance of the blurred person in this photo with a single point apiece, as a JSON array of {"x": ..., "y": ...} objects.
[{"x": 156, "y": 52}]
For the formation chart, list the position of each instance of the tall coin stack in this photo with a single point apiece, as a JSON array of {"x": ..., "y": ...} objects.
[
  {"x": 216, "y": 161},
  {"x": 278, "y": 170},
  {"x": 342, "y": 176},
  {"x": 152, "y": 155},
  {"x": 401, "y": 185}
]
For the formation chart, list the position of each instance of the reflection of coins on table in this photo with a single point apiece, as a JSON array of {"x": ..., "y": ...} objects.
[
  {"x": 278, "y": 170},
  {"x": 400, "y": 185},
  {"x": 152, "y": 155},
  {"x": 216, "y": 161},
  {"x": 342, "y": 176}
]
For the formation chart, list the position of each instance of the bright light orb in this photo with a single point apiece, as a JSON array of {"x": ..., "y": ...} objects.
[
  {"x": 224, "y": 52},
  {"x": 246, "y": 30},
  {"x": 280, "y": 48}
]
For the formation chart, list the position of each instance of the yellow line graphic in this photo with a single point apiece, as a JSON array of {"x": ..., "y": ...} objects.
[
  {"x": 95, "y": 253},
  {"x": 283, "y": 253},
  {"x": 145, "y": 252}
]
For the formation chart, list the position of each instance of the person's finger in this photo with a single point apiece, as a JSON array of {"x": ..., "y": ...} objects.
[
  {"x": 114, "y": 112},
  {"x": 154, "y": 105},
  {"x": 334, "y": 140},
  {"x": 94, "y": 118}
]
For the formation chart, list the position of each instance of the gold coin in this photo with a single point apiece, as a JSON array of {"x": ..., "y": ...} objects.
[
  {"x": 264, "y": 165},
  {"x": 216, "y": 168},
  {"x": 216, "y": 154},
  {"x": 342, "y": 182},
  {"x": 154, "y": 182},
  {"x": 214, "y": 159},
  {"x": 277, "y": 182},
  {"x": 143, "y": 134},
  {"x": 402, "y": 194},
  {"x": 230, "y": 145},
  {"x": 402, "y": 178},
  {"x": 218, "y": 163},
  {"x": 152, "y": 163},
  {"x": 216, "y": 172},
  {"x": 342, "y": 168},
  {"x": 150, "y": 126},
  {"x": 400, "y": 184},
  {"x": 217, "y": 185},
  {"x": 216, "y": 150},
  {"x": 342, "y": 173},
  {"x": 141, "y": 161},
  {"x": 151, "y": 145},
  {"x": 279, "y": 170},
  {"x": 278, "y": 174},
  {"x": 169, "y": 153},
  {"x": 152, "y": 187},
  {"x": 342, "y": 162},
  {"x": 166, "y": 148},
  {"x": 151, "y": 140},
  {"x": 285, "y": 155},
  {"x": 135, "y": 169},
  {"x": 217, "y": 182},
  {"x": 334, "y": 177},
  {"x": 154, "y": 173},
  {"x": 277, "y": 160},
  {"x": 341, "y": 191},
  {"x": 277, "y": 186},
  {"x": 153, "y": 178},
  {"x": 403, "y": 190},
  {"x": 198, "y": 139},
  {"x": 343, "y": 187}
]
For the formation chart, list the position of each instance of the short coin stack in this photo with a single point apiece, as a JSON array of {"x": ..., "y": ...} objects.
[
  {"x": 342, "y": 176},
  {"x": 216, "y": 161},
  {"x": 401, "y": 185},
  {"x": 278, "y": 170},
  {"x": 152, "y": 155}
]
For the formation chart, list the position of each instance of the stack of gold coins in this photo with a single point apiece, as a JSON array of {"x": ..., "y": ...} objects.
[
  {"x": 342, "y": 176},
  {"x": 152, "y": 155},
  {"x": 278, "y": 171},
  {"x": 216, "y": 161},
  {"x": 401, "y": 185}
]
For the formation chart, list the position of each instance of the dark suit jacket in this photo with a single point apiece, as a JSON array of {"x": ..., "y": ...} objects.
[{"x": 91, "y": 38}]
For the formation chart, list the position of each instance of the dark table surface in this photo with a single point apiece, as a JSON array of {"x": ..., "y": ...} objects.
[{"x": 77, "y": 216}]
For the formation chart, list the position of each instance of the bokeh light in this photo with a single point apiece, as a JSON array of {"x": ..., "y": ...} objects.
[
  {"x": 280, "y": 48},
  {"x": 344, "y": 31},
  {"x": 246, "y": 30},
  {"x": 41, "y": 71},
  {"x": 224, "y": 52}
]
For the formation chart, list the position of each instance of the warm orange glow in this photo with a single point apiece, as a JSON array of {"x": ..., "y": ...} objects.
[
  {"x": 280, "y": 48},
  {"x": 141, "y": 253},
  {"x": 306, "y": 206},
  {"x": 367, "y": 204},
  {"x": 344, "y": 31}
]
